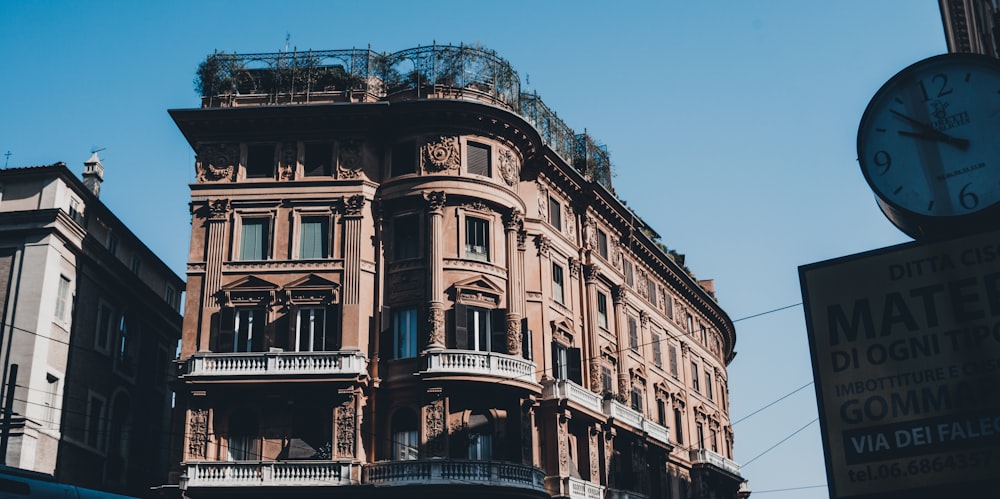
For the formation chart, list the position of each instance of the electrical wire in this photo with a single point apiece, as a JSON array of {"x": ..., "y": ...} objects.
[{"x": 745, "y": 464}]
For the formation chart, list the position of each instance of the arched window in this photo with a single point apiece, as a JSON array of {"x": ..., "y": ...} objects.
[
  {"x": 243, "y": 441},
  {"x": 405, "y": 436}
]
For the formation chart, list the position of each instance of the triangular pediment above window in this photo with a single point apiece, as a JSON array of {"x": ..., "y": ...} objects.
[
  {"x": 312, "y": 290},
  {"x": 248, "y": 291},
  {"x": 477, "y": 291},
  {"x": 562, "y": 330}
]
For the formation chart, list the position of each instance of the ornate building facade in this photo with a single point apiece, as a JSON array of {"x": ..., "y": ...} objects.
[{"x": 406, "y": 276}]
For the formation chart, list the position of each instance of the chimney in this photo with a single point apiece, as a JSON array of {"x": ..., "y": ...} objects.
[{"x": 93, "y": 174}]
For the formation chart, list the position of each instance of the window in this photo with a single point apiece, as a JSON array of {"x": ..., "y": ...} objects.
[
  {"x": 314, "y": 238},
  {"x": 404, "y": 158},
  {"x": 51, "y": 402},
  {"x": 243, "y": 441},
  {"x": 704, "y": 335},
  {"x": 478, "y": 162},
  {"x": 555, "y": 213},
  {"x": 405, "y": 436},
  {"x": 673, "y": 360},
  {"x": 260, "y": 161},
  {"x": 701, "y": 436},
  {"x": 566, "y": 363},
  {"x": 480, "y": 438},
  {"x": 103, "y": 332},
  {"x": 557, "y": 284},
  {"x": 317, "y": 160},
  {"x": 76, "y": 210},
  {"x": 113, "y": 243},
  {"x": 690, "y": 324},
  {"x": 170, "y": 296},
  {"x": 477, "y": 243},
  {"x": 123, "y": 345},
  {"x": 708, "y": 385},
  {"x": 315, "y": 331},
  {"x": 95, "y": 421},
  {"x": 661, "y": 412},
  {"x": 602, "y": 310},
  {"x": 657, "y": 354},
  {"x": 404, "y": 333},
  {"x": 406, "y": 243},
  {"x": 255, "y": 239},
  {"x": 607, "y": 380},
  {"x": 62, "y": 299},
  {"x": 633, "y": 334},
  {"x": 629, "y": 278},
  {"x": 669, "y": 303},
  {"x": 602, "y": 243},
  {"x": 481, "y": 333},
  {"x": 637, "y": 399},
  {"x": 714, "y": 436},
  {"x": 651, "y": 289},
  {"x": 678, "y": 421},
  {"x": 242, "y": 330},
  {"x": 694, "y": 378},
  {"x": 136, "y": 264}
]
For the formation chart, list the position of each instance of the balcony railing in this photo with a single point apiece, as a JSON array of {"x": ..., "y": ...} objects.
[
  {"x": 276, "y": 364},
  {"x": 452, "y": 472},
  {"x": 705, "y": 456},
  {"x": 656, "y": 432},
  {"x": 485, "y": 363},
  {"x": 278, "y": 473},
  {"x": 621, "y": 412},
  {"x": 574, "y": 488},
  {"x": 566, "y": 389}
]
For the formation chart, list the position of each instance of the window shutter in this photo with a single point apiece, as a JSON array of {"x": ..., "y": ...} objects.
[
  {"x": 526, "y": 340},
  {"x": 498, "y": 330},
  {"x": 260, "y": 330},
  {"x": 555, "y": 360},
  {"x": 573, "y": 358},
  {"x": 479, "y": 159},
  {"x": 226, "y": 330},
  {"x": 461, "y": 327},
  {"x": 331, "y": 330}
]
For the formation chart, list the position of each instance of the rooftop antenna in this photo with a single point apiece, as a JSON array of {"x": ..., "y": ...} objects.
[
  {"x": 6, "y": 159},
  {"x": 288, "y": 36},
  {"x": 94, "y": 149}
]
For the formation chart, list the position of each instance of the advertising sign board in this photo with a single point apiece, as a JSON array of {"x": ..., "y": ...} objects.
[{"x": 905, "y": 345}]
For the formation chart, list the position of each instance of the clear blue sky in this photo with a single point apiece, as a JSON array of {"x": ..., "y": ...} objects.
[{"x": 731, "y": 126}]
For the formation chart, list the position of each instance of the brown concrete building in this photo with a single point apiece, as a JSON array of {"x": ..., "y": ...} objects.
[
  {"x": 972, "y": 26},
  {"x": 91, "y": 318},
  {"x": 407, "y": 277}
]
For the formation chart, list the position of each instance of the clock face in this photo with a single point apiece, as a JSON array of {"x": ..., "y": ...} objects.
[{"x": 929, "y": 141}]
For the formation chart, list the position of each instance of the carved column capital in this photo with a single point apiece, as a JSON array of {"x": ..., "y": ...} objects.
[
  {"x": 619, "y": 294},
  {"x": 513, "y": 220},
  {"x": 644, "y": 319},
  {"x": 574, "y": 268},
  {"x": 591, "y": 274},
  {"x": 218, "y": 209},
  {"x": 353, "y": 205},
  {"x": 435, "y": 200},
  {"x": 543, "y": 244}
]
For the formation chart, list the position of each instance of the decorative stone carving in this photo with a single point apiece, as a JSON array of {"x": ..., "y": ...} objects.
[
  {"x": 569, "y": 221},
  {"x": 198, "y": 433},
  {"x": 217, "y": 162},
  {"x": 574, "y": 268},
  {"x": 595, "y": 377},
  {"x": 350, "y": 161},
  {"x": 435, "y": 200},
  {"x": 435, "y": 326},
  {"x": 477, "y": 206},
  {"x": 624, "y": 385},
  {"x": 289, "y": 160},
  {"x": 218, "y": 209},
  {"x": 434, "y": 420},
  {"x": 353, "y": 205},
  {"x": 513, "y": 335},
  {"x": 346, "y": 428},
  {"x": 543, "y": 201},
  {"x": 591, "y": 273},
  {"x": 561, "y": 424},
  {"x": 543, "y": 244},
  {"x": 589, "y": 232},
  {"x": 522, "y": 239},
  {"x": 592, "y": 442},
  {"x": 442, "y": 154},
  {"x": 509, "y": 171},
  {"x": 644, "y": 319}
]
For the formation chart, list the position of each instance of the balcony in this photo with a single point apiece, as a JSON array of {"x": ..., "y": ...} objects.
[
  {"x": 625, "y": 494},
  {"x": 270, "y": 474},
  {"x": 621, "y": 412},
  {"x": 453, "y": 472},
  {"x": 491, "y": 364},
  {"x": 656, "y": 432},
  {"x": 574, "y": 488},
  {"x": 705, "y": 456},
  {"x": 275, "y": 364},
  {"x": 566, "y": 389}
]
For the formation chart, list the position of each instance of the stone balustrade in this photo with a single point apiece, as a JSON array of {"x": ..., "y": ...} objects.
[
  {"x": 276, "y": 473},
  {"x": 705, "y": 456},
  {"x": 497, "y": 365},
  {"x": 276, "y": 364},
  {"x": 451, "y": 472}
]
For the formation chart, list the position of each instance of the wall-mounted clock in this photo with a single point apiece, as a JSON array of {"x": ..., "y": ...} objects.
[{"x": 929, "y": 145}]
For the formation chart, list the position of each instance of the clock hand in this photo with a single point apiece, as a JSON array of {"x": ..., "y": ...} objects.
[
  {"x": 955, "y": 141},
  {"x": 929, "y": 132}
]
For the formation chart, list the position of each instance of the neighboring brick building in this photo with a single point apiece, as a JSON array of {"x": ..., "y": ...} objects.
[
  {"x": 407, "y": 277},
  {"x": 91, "y": 318}
]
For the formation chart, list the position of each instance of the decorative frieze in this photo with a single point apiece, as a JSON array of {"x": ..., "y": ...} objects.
[
  {"x": 507, "y": 164},
  {"x": 346, "y": 428},
  {"x": 434, "y": 428},
  {"x": 198, "y": 434}
]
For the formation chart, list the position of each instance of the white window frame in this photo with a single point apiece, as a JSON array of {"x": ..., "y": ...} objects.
[{"x": 236, "y": 251}]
